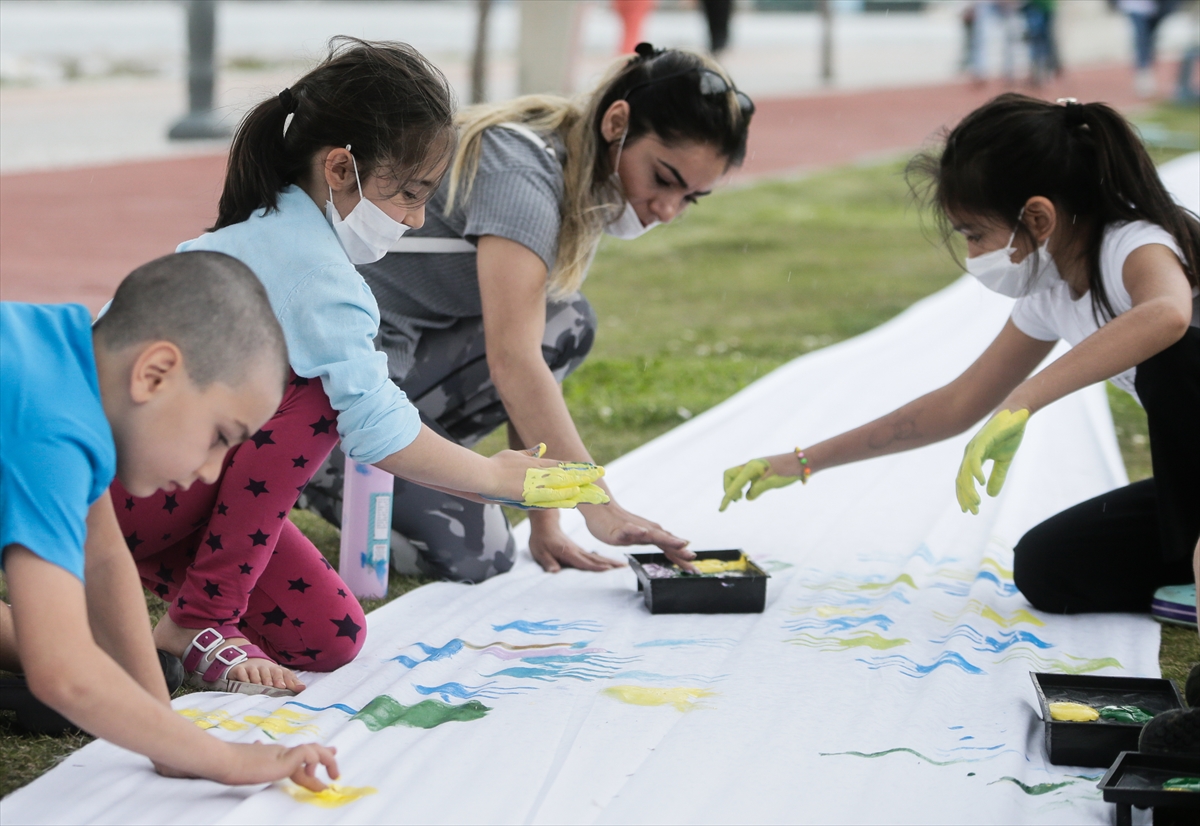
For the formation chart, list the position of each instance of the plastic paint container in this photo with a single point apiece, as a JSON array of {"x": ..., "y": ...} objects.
[{"x": 366, "y": 529}]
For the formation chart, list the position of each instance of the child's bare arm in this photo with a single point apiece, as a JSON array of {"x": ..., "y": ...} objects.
[
  {"x": 115, "y": 605},
  {"x": 69, "y": 672},
  {"x": 1162, "y": 311}
]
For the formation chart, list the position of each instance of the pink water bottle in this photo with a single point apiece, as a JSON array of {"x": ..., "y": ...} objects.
[{"x": 366, "y": 529}]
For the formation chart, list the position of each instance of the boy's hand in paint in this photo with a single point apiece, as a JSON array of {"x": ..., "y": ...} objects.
[
  {"x": 998, "y": 441},
  {"x": 761, "y": 477},
  {"x": 247, "y": 764},
  {"x": 548, "y": 484}
]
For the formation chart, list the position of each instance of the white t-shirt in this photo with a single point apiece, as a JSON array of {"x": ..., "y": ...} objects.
[{"x": 1053, "y": 314}]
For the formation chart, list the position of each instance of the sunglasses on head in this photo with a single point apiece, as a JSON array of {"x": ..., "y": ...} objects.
[{"x": 711, "y": 84}]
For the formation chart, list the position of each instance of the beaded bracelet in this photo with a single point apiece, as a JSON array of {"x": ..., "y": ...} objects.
[{"x": 805, "y": 470}]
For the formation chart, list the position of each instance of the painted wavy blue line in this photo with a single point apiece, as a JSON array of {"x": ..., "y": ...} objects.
[
  {"x": 654, "y": 677},
  {"x": 432, "y": 654},
  {"x": 468, "y": 692},
  {"x": 551, "y": 674},
  {"x": 994, "y": 645},
  {"x": 882, "y": 621},
  {"x": 1006, "y": 589},
  {"x": 550, "y": 627},
  {"x": 707, "y": 642},
  {"x": 977, "y": 748},
  {"x": 338, "y": 706},
  {"x": 911, "y": 668}
]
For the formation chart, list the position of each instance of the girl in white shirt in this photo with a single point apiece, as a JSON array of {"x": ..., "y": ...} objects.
[{"x": 1062, "y": 209}]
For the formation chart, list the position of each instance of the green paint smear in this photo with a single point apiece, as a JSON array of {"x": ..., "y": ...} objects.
[
  {"x": 384, "y": 711},
  {"x": 1182, "y": 784},
  {"x": 903, "y": 579},
  {"x": 1040, "y": 788},
  {"x": 893, "y": 751},
  {"x": 1126, "y": 714}
]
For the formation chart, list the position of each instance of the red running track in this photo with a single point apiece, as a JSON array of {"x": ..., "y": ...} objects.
[{"x": 72, "y": 235}]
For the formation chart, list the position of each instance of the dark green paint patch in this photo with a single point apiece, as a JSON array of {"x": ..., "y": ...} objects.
[
  {"x": 1040, "y": 788},
  {"x": 1126, "y": 714},
  {"x": 384, "y": 711},
  {"x": 1182, "y": 784}
]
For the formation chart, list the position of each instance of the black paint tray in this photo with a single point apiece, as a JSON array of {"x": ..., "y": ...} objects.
[
  {"x": 1099, "y": 742},
  {"x": 691, "y": 594},
  {"x": 1136, "y": 780}
]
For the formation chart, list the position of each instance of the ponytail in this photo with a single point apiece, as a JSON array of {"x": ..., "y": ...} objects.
[
  {"x": 1085, "y": 158},
  {"x": 383, "y": 99}
]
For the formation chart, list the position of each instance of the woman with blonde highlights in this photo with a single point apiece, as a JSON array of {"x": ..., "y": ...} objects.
[{"x": 481, "y": 313}]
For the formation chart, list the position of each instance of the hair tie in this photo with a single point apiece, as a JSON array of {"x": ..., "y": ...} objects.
[
  {"x": 288, "y": 101},
  {"x": 1073, "y": 112},
  {"x": 646, "y": 51}
]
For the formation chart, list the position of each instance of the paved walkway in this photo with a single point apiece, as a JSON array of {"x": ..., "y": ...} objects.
[{"x": 71, "y": 235}]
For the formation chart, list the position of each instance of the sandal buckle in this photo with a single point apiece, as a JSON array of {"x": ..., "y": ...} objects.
[
  {"x": 207, "y": 640},
  {"x": 231, "y": 656}
]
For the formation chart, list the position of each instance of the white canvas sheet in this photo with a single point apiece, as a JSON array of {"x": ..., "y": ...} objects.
[{"x": 886, "y": 681}]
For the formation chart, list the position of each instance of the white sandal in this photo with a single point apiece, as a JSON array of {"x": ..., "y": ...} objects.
[{"x": 207, "y": 665}]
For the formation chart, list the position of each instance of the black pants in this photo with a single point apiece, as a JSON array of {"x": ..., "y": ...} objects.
[{"x": 1111, "y": 553}]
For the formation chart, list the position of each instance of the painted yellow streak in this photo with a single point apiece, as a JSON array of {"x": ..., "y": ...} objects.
[
  {"x": 333, "y": 796},
  {"x": 1073, "y": 712},
  {"x": 213, "y": 719},
  {"x": 683, "y": 699},
  {"x": 284, "y": 721},
  {"x": 869, "y": 639},
  {"x": 990, "y": 613},
  {"x": 720, "y": 566}
]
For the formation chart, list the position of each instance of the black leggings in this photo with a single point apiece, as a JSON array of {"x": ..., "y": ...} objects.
[{"x": 1112, "y": 552}]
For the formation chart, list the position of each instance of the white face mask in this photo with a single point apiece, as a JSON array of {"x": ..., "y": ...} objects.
[
  {"x": 367, "y": 233},
  {"x": 996, "y": 270},
  {"x": 627, "y": 225}
]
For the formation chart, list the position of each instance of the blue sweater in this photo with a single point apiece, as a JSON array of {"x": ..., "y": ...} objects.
[{"x": 329, "y": 317}]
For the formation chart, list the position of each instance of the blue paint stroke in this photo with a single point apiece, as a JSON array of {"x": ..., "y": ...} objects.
[
  {"x": 977, "y": 748},
  {"x": 911, "y": 668},
  {"x": 654, "y": 677},
  {"x": 706, "y": 642},
  {"x": 378, "y": 566},
  {"x": 584, "y": 667},
  {"x": 992, "y": 645},
  {"x": 488, "y": 691},
  {"x": 956, "y": 728},
  {"x": 431, "y": 654},
  {"x": 968, "y": 737},
  {"x": 1006, "y": 589},
  {"x": 882, "y": 621},
  {"x": 549, "y": 628},
  {"x": 338, "y": 706}
]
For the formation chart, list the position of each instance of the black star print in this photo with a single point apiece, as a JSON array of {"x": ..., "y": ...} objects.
[
  {"x": 299, "y": 381},
  {"x": 328, "y": 567},
  {"x": 297, "y": 622},
  {"x": 298, "y": 585},
  {"x": 169, "y": 504},
  {"x": 341, "y": 593},
  {"x": 322, "y": 425},
  {"x": 285, "y": 655},
  {"x": 132, "y": 541},
  {"x": 262, "y": 437},
  {"x": 212, "y": 589},
  {"x": 166, "y": 574},
  {"x": 245, "y": 568},
  {"x": 274, "y": 617},
  {"x": 166, "y": 536},
  {"x": 281, "y": 515},
  {"x": 181, "y": 602},
  {"x": 257, "y": 487},
  {"x": 311, "y": 653},
  {"x": 214, "y": 542},
  {"x": 128, "y": 503},
  {"x": 347, "y": 628},
  {"x": 236, "y": 613},
  {"x": 222, "y": 508},
  {"x": 259, "y": 537},
  {"x": 300, "y": 461},
  {"x": 300, "y": 488},
  {"x": 161, "y": 590}
]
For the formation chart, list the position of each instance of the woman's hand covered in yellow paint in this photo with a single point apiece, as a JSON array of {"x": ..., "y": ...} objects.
[
  {"x": 552, "y": 484},
  {"x": 998, "y": 441},
  {"x": 758, "y": 474},
  {"x": 246, "y": 764}
]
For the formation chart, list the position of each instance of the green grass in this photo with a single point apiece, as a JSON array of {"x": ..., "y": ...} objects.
[{"x": 693, "y": 312}]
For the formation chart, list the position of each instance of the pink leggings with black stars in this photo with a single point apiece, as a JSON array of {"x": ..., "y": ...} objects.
[{"x": 226, "y": 556}]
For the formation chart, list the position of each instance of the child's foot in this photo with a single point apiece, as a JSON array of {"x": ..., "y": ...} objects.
[
  {"x": 200, "y": 659},
  {"x": 262, "y": 671}
]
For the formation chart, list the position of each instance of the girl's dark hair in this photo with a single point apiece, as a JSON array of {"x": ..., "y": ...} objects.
[
  {"x": 1084, "y": 157},
  {"x": 663, "y": 89},
  {"x": 383, "y": 99}
]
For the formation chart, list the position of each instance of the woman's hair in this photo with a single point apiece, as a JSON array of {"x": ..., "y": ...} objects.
[
  {"x": 383, "y": 99},
  {"x": 663, "y": 90},
  {"x": 1083, "y": 157}
]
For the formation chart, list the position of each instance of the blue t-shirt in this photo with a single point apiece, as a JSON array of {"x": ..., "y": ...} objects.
[{"x": 57, "y": 455}]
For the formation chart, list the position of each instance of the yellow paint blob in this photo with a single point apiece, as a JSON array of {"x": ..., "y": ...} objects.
[
  {"x": 720, "y": 566},
  {"x": 284, "y": 721},
  {"x": 1073, "y": 712},
  {"x": 974, "y": 606},
  {"x": 903, "y": 579},
  {"x": 683, "y": 699},
  {"x": 213, "y": 719},
  {"x": 332, "y": 797}
]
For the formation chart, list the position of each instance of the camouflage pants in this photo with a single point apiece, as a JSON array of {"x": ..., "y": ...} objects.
[{"x": 449, "y": 383}]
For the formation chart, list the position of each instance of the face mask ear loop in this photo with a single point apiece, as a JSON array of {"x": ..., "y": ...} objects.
[
  {"x": 617, "y": 162},
  {"x": 357, "y": 180}
]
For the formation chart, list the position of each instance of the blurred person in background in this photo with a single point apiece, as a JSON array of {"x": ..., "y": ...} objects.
[
  {"x": 1145, "y": 17},
  {"x": 1039, "y": 30},
  {"x": 482, "y": 318},
  {"x": 717, "y": 13},
  {"x": 985, "y": 21},
  {"x": 633, "y": 14}
]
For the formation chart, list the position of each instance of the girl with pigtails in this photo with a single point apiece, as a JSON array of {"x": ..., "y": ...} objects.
[
  {"x": 482, "y": 317},
  {"x": 1062, "y": 209},
  {"x": 323, "y": 177}
]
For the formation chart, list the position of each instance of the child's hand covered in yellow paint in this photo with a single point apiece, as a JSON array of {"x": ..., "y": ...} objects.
[
  {"x": 561, "y": 485},
  {"x": 998, "y": 441},
  {"x": 758, "y": 474}
]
